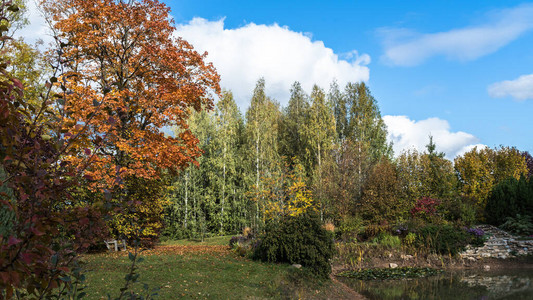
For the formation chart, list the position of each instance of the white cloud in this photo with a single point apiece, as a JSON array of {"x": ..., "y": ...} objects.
[
  {"x": 37, "y": 29},
  {"x": 281, "y": 56},
  {"x": 407, "y": 48},
  {"x": 520, "y": 88},
  {"x": 408, "y": 134}
]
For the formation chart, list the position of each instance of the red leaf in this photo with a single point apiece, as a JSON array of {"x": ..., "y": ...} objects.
[
  {"x": 27, "y": 258},
  {"x": 13, "y": 241},
  {"x": 37, "y": 232},
  {"x": 87, "y": 151}
]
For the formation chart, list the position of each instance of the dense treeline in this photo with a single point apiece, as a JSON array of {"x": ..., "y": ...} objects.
[{"x": 333, "y": 146}]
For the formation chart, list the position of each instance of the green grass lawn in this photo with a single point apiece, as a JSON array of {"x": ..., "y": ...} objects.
[
  {"x": 202, "y": 270},
  {"x": 189, "y": 276}
]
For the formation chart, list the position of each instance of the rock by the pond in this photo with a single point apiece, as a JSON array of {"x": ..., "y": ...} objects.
[
  {"x": 297, "y": 266},
  {"x": 500, "y": 244},
  {"x": 393, "y": 265}
]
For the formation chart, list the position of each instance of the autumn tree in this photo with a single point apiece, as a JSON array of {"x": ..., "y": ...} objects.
[
  {"x": 125, "y": 76},
  {"x": 529, "y": 163},
  {"x": 287, "y": 194},
  {"x": 479, "y": 170},
  {"x": 340, "y": 172},
  {"x": 382, "y": 200}
]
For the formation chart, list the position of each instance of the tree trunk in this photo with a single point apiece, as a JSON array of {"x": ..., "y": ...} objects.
[
  {"x": 223, "y": 191},
  {"x": 186, "y": 198},
  {"x": 257, "y": 176}
]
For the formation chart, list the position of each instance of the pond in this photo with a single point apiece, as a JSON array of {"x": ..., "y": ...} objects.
[{"x": 507, "y": 284}]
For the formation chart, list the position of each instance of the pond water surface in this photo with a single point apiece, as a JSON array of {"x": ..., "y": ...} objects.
[{"x": 507, "y": 284}]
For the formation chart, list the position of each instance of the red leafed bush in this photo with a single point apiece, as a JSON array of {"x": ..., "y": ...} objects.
[{"x": 425, "y": 207}]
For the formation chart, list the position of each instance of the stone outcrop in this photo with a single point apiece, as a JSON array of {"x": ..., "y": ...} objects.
[{"x": 500, "y": 244}]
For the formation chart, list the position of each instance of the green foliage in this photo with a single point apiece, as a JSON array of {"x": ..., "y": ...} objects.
[
  {"x": 365, "y": 126},
  {"x": 521, "y": 224},
  {"x": 297, "y": 240},
  {"x": 444, "y": 239},
  {"x": 292, "y": 125},
  {"x": 479, "y": 170},
  {"x": 261, "y": 155},
  {"x": 210, "y": 197},
  {"x": 387, "y": 240},
  {"x": 374, "y": 230},
  {"x": 508, "y": 199},
  {"x": 440, "y": 175},
  {"x": 426, "y": 174},
  {"x": 410, "y": 239},
  {"x": 350, "y": 227},
  {"x": 458, "y": 211}
]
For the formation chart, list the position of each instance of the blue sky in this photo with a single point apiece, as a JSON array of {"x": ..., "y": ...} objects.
[{"x": 459, "y": 70}]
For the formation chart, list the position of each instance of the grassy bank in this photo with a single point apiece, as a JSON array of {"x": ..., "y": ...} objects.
[
  {"x": 205, "y": 270},
  {"x": 190, "y": 275}
]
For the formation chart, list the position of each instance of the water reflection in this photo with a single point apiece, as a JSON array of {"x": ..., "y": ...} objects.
[{"x": 508, "y": 284}]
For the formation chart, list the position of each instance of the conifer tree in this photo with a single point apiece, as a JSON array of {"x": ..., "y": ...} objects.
[{"x": 292, "y": 140}]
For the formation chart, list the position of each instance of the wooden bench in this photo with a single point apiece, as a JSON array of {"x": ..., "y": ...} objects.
[{"x": 117, "y": 244}]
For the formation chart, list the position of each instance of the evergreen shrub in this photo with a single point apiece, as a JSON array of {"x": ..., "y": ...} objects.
[
  {"x": 508, "y": 199},
  {"x": 521, "y": 225},
  {"x": 297, "y": 240}
]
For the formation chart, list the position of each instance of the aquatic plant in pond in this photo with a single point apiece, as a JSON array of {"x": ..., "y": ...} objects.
[{"x": 395, "y": 273}]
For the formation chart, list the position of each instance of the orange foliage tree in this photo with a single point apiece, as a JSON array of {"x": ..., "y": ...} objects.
[{"x": 126, "y": 76}]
